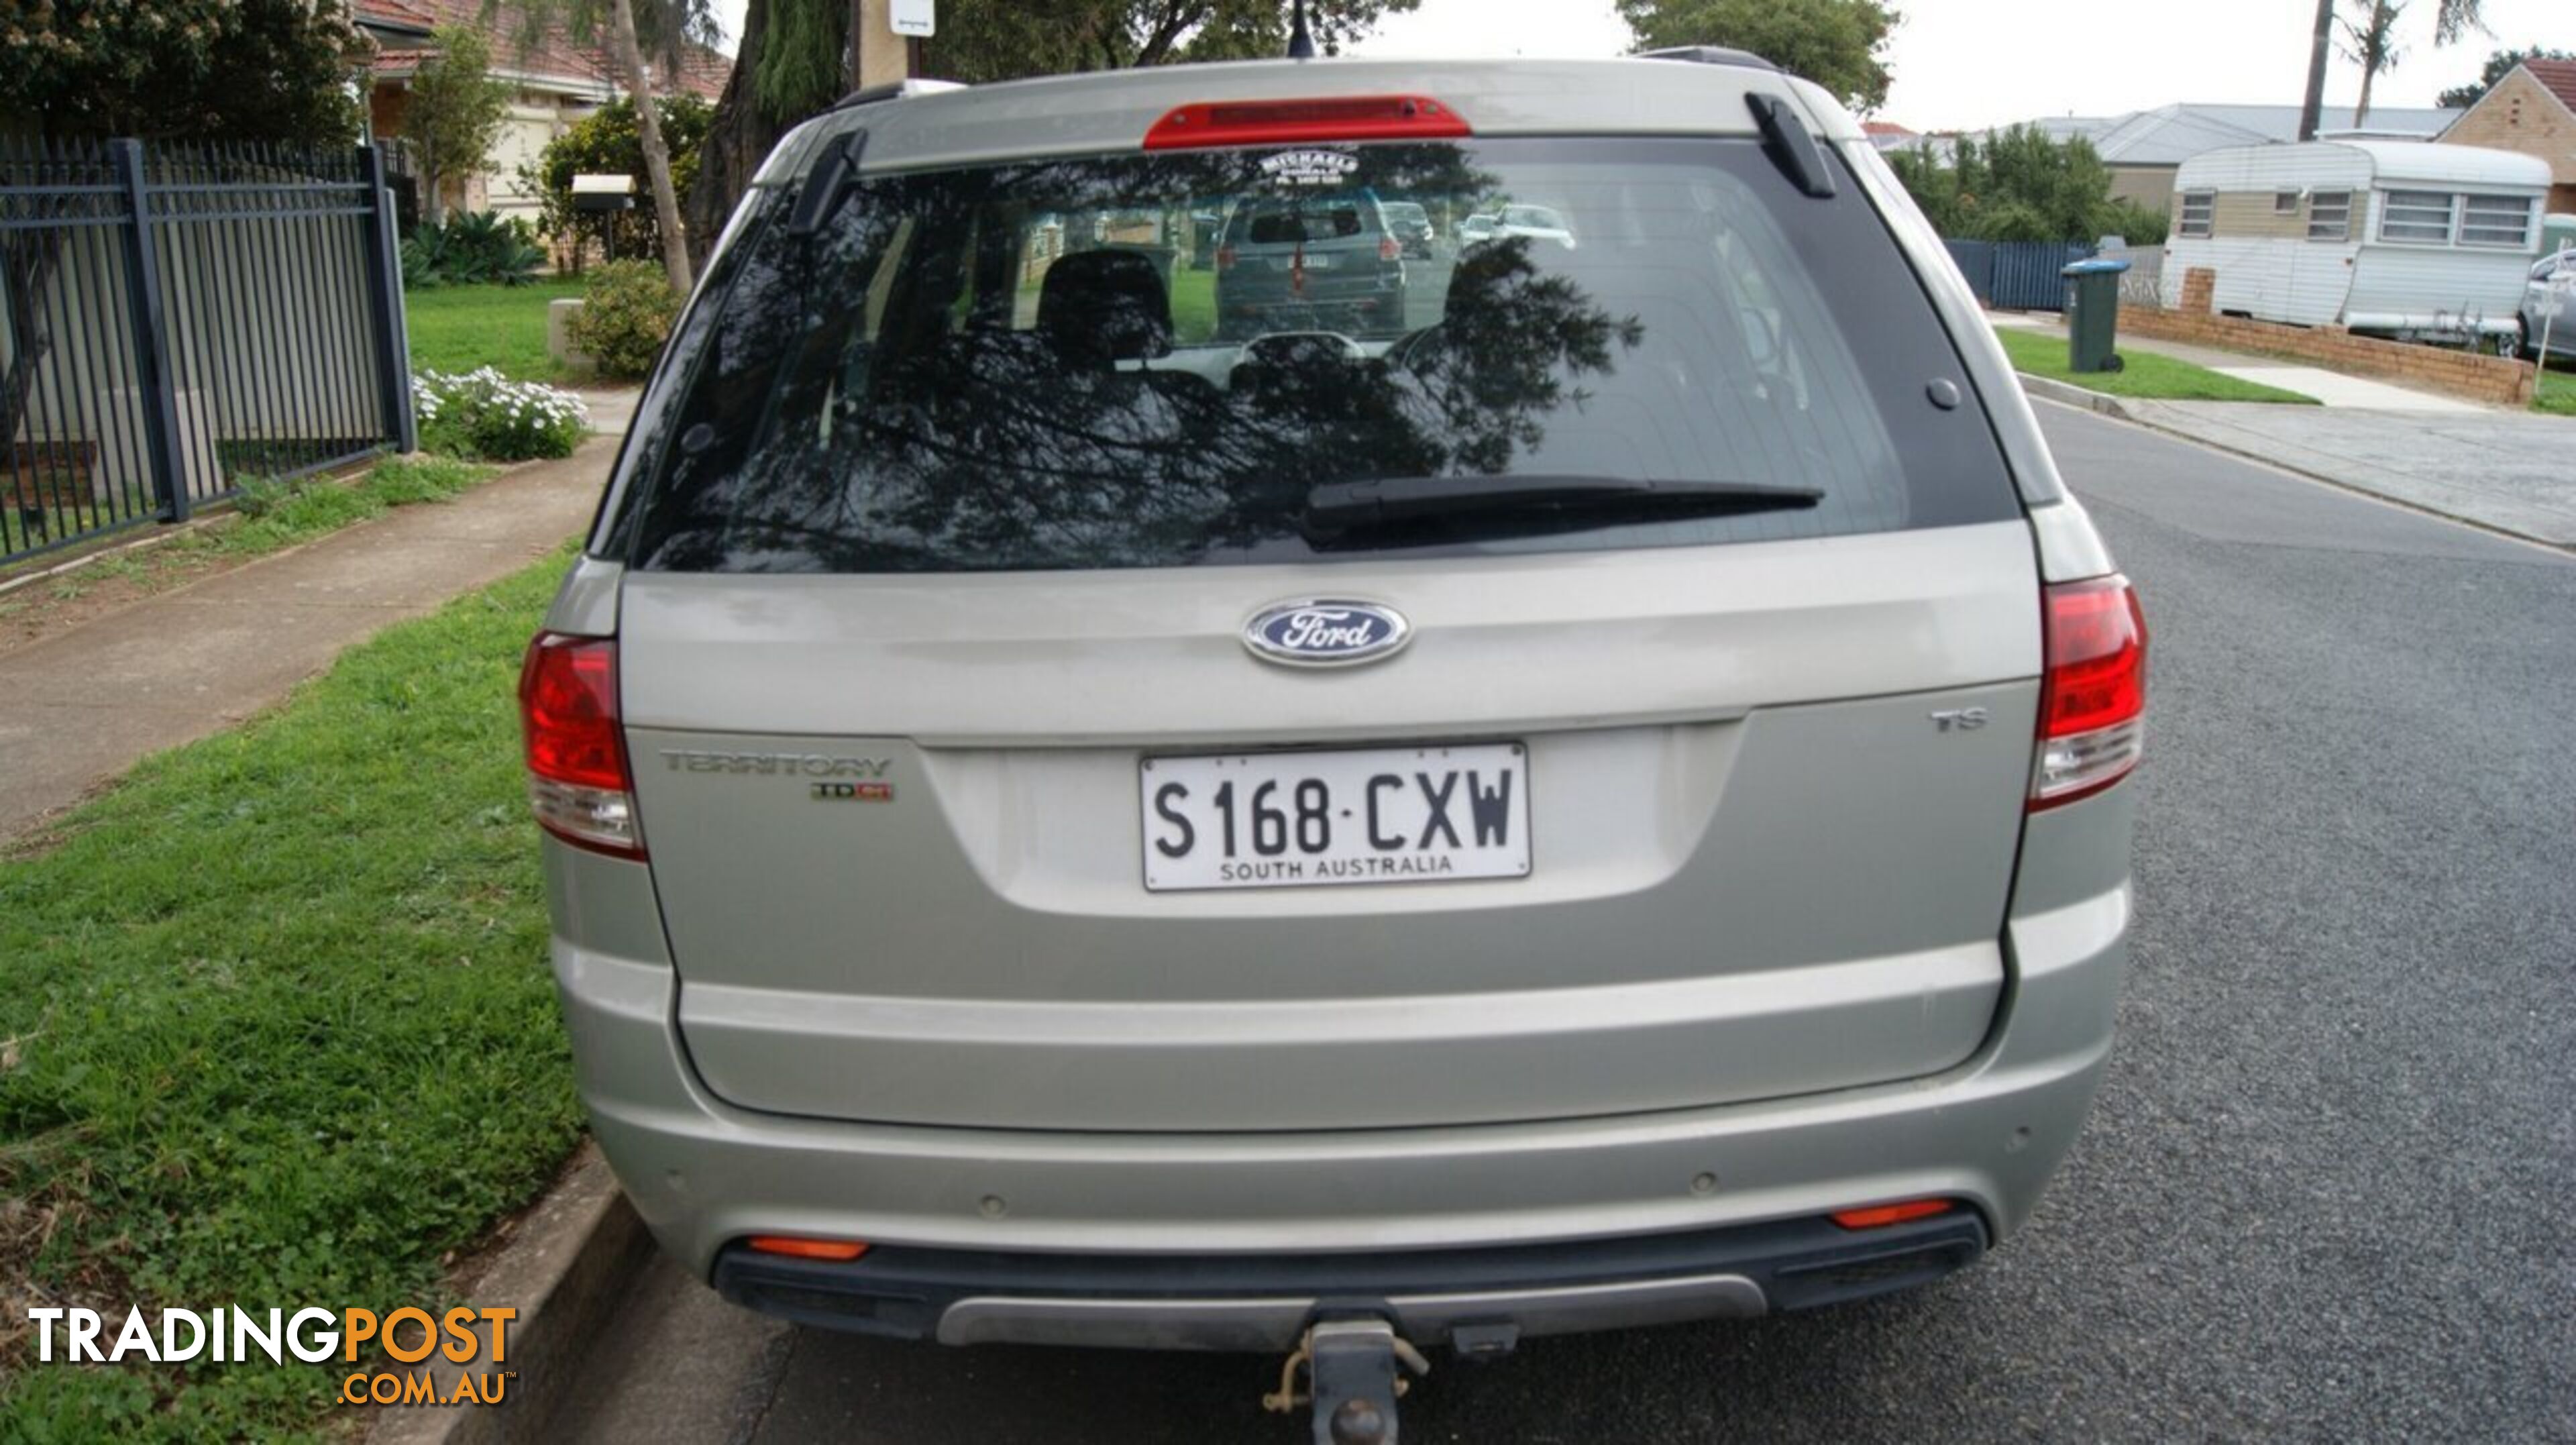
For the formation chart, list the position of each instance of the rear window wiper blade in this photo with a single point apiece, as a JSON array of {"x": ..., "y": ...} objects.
[{"x": 1340, "y": 505}]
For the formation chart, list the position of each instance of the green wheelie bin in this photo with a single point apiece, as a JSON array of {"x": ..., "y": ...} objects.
[{"x": 2093, "y": 313}]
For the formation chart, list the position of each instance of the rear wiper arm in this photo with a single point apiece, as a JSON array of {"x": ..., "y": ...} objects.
[{"x": 1339, "y": 505}]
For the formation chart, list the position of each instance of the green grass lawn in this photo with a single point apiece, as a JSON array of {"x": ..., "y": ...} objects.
[
  {"x": 1193, "y": 304},
  {"x": 458, "y": 328},
  {"x": 276, "y": 1027},
  {"x": 2146, "y": 376},
  {"x": 2557, "y": 387}
]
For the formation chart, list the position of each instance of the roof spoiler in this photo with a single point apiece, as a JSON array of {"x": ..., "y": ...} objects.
[
  {"x": 894, "y": 90},
  {"x": 1786, "y": 140},
  {"x": 1709, "y": 55},
  {"x": 827, "y": 185},
  {"x": 1784, "y": 135}
]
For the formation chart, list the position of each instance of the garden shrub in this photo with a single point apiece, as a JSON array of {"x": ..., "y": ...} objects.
[
  {"x": 607, "y": 142},
  {"x": 627, "y": 309},
  {"x": 472, "y": 248},
  {"x": 483, "y": 414}
]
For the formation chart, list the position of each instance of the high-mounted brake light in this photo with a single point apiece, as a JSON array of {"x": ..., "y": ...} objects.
[
  {"x": 1204, "y": 124},
  {"x": 2093, "y": 695},
  {"x": 579, "y": 783}
]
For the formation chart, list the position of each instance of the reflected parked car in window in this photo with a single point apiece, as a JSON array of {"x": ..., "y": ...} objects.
[{"x": 2549, "y": 306}]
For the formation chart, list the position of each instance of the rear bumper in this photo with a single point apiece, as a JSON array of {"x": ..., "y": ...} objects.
[
  {"x": 1467, "y": 1298},
  {"x": 704, "y": 1174}
]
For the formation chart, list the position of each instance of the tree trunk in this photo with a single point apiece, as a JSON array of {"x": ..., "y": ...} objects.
[
  {"x": 657, "y": 159},
  {"x": 2368, "y": 74},
  {"x": 432, "y": 207},
  {"x": 739, "y": 137},
  {"x": 2318, "y": 46},
  {"x": 27, "y": 260}
]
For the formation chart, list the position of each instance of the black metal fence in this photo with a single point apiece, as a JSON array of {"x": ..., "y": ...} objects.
[{"x": 177, "y": 319}]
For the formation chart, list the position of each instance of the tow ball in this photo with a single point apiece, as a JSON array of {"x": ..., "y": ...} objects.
[{"x": 1352, "y": 1382}]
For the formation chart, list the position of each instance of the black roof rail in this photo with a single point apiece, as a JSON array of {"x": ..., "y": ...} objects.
[
  {"x": 893, "y": 90},
  {"x": 1709, "y": 55}
]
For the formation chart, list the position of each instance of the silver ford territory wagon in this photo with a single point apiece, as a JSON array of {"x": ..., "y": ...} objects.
[{"x": 1591, "y": 796}]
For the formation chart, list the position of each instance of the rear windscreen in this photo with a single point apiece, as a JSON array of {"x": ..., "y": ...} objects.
[
  {"x": 1287, "y": 227},
  {"x": 1151, "y": 360}
]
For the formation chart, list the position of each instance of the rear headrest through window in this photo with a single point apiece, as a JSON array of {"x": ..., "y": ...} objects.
[{"x": 1106, "y": 306}]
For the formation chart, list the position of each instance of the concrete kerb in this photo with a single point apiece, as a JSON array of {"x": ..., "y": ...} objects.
[
  {"x": 2069, "y": 394},
  {"x": 202, "y": 516},
  {"x": 159, "y": 536},
  {"x": 568, "y": 1262}
]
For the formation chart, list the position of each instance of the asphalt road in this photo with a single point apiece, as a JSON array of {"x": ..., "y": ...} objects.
[{"x": 2323, "y": 1192}]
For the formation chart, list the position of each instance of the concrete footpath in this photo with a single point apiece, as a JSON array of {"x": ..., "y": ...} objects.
[
  {"x": 81, "y": 707},
  {"x": 2508, "y": 471}
]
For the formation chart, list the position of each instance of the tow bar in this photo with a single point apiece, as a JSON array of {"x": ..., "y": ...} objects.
[{"x": 1352, "y": 1381}]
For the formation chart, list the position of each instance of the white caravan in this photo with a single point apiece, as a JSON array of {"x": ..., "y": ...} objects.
[{"x": 2395, "y": 238}]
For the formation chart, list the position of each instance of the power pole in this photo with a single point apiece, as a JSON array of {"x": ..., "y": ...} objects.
[
  {"x": 878, "y": 56},
  {"x": 2317, "y": 46}
]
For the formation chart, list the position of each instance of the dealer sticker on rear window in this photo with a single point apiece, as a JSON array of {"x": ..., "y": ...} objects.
[{"x": 1309, "y": 167}]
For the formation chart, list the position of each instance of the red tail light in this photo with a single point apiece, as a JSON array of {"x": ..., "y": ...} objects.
[
  {"x": 1387, "y": 249},
  {"x": 1269, "y": 122},
  {"x": 579, "y": 783},
  {"x": 2093, "y": 696},
  {"x": 1225, "y": 258}
]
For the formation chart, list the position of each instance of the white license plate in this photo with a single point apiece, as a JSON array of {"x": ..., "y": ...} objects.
[{"x": 1373, "y": 815}]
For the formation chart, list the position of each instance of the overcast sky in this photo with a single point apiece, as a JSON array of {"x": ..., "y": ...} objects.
[{"x": 1966, "y": 64}]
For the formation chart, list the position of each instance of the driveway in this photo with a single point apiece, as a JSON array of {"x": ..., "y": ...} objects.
[
  {"x": 2321, "y": 1195},
  {"x": 2512, "y": 471}
]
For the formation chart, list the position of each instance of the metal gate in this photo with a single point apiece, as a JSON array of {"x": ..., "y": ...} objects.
[
  {"x": 1976, "y": 262},
  {"x": 2025, "y": 274},
  {"x": 2018, "y": 275},
  {"x": 176, "y": 320}
]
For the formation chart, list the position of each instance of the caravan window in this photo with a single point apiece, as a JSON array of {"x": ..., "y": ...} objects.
[
  {"x": 2285, "y": 203},
  {"x": 2496, "y": 221},
  {"x": 2197, "y": 207},
  {"x": 2330, "y": 216},
  {"x": 2423, "y": 216}
]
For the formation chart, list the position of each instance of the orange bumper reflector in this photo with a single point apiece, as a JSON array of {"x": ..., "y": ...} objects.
[
  {"x": 1884, "y": 1214},
  {"x": 807, "y": 1248}
]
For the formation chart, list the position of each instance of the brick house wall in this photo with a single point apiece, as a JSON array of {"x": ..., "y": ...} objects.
[{"x": 2521, "y": 114}]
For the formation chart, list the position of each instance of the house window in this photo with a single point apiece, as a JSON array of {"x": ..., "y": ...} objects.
[
  {"x": 2197, "y": 209},
  {"x": 2285, "y": 203},
  {"x": 2330, "y": 216},
  {"x": 2495, "y": 221},
  {"x": 2417, "y": 216}
]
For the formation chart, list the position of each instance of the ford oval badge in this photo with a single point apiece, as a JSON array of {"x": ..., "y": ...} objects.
[{"x": 1325, "y": 632}]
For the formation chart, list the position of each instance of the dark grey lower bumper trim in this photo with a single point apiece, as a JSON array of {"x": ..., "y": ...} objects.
[
  {"x": 1275, "y": 1323},
  {"x": 1262, "y": 1302}
]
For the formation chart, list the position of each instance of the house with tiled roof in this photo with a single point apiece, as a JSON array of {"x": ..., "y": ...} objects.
[
  {"x": 2531, "y": 110},
  {"x": 554, "y": 82},
  {"x": 1887, "y": 135},
  {"x": 2145, "y": 147}
]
